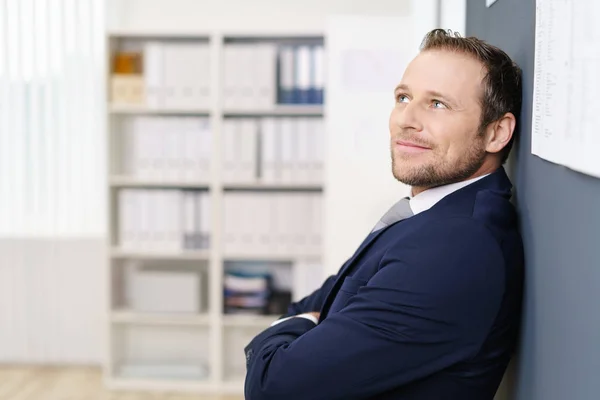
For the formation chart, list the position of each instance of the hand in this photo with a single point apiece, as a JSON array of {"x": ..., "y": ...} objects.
[{"x": 315, "y": 314}]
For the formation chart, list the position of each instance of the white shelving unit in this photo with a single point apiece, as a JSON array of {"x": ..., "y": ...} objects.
[{"x": 216, "y": 328}]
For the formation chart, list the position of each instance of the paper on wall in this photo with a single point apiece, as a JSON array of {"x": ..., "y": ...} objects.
[{"x": 566, "y": 108}]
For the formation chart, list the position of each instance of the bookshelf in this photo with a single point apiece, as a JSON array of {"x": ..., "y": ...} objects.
[{"x": 193, "y": 210}]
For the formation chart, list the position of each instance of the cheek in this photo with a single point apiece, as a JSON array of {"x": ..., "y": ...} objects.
[{"x": 452, "y": 137}]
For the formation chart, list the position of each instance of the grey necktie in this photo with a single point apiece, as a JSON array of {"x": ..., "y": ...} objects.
[{"x": 399, "y": 211}]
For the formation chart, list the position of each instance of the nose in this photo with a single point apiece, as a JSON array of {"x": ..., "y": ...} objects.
[{"x": 406, "y": 117}]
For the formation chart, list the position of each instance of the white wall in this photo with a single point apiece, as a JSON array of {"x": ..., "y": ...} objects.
[
  {"x": 241, "y": 15},
  {"x": 52, "y": 301},
  {"x": 453, "y": 15},
  {"x": 367, "y": 57}
]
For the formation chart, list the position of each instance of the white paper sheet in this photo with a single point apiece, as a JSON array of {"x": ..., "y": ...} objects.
[{"x": 566, "y": 101}]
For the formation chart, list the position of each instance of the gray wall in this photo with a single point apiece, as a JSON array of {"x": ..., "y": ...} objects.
[{"x": 559, "y": 356}]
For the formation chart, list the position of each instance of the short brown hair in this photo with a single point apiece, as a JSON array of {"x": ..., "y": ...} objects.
[{"x": 502, "y": 91}]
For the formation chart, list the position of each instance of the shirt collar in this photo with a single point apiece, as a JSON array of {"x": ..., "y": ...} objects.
[{"x": 427, "y": 199}]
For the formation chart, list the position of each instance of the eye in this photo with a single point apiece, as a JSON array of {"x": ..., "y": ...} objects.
[
  {"x": 401, "y": 98},
  {"x": 438, "y": 104}
]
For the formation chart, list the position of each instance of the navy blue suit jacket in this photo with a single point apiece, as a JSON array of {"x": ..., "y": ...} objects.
[{"x": 427, "y": 308}]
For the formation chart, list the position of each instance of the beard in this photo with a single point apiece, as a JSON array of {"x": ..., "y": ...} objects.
[{"x": 441, "y": 172}]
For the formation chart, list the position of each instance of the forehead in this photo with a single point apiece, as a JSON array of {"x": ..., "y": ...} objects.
[{"x": 453, "y": 73}]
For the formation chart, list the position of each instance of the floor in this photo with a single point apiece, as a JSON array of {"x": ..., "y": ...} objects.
[{"x": 43, "y": 383}]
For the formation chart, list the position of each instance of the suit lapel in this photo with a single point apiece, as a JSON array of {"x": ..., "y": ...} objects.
[{"x": 345, "y": 270}]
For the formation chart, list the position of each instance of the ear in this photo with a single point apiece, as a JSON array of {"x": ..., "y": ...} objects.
[{"x": 500, "y": 132}]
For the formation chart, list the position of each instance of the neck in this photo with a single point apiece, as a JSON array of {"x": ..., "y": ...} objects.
[{"x": 484, "y": 170}]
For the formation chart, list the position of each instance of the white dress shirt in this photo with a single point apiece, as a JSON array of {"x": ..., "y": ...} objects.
[
  {"x": 428, "y": 198},
  {"x": 419, "y": 203}
]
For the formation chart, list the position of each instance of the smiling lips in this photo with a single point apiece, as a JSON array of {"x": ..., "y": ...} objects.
[{"x": 410, "y": 147}]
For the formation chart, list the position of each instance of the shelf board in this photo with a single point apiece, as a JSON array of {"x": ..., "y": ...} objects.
[
  {"x": 280, "y": 110},
  {"x": 125, "y": 181},
  {"x": 308, "y": 187},
  {"x": 242, "y": 256},
  {"x": 160, "y": 385},
  {"x": 249, "y": 320},
  {"x": 194, "y": 255},
  {"x": 153, "y": 34},
  {"x": 142, "y": 109},
  {"x": 131, "y": 317}
]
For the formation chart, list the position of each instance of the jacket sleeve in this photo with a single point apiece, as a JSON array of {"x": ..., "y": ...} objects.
[
  {"x": 312, "y": 302},
  {"x": 429, "y": 306}
]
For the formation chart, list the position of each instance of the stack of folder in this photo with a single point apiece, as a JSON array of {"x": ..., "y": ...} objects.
[
  {"x": 246, "y": 292},
  {"x": 164, "y": 220},
  {"x": 177, "y": 75},
  {"x": 263, "y": 75},
  {"x": 273, "y": 150},
  {"x": 258, "y": 223},
  {"x": 166, "y": 148}
]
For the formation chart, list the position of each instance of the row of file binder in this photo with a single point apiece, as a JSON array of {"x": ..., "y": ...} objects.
[
  {"x": 272, "y": 223},
  {"x": 177, "y": 75},
  {"x": 260, "y": 76},
  {"x": 166, "y": 148},
  {"x": 273, "y": 150},
  {"x": 163, "y": 220}
]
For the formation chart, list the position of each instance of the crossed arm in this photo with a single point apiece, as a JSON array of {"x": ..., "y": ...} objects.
[{"x": 422, "y": 312}]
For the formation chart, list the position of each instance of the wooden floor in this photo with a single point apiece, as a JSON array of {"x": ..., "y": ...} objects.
[{"x": 42, "y": 383}]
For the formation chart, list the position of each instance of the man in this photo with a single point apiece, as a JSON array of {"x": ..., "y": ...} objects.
[{"x": 429, "y": 305}]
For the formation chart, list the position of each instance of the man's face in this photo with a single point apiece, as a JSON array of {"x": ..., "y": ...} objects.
[{"x": 434, "y": 126}]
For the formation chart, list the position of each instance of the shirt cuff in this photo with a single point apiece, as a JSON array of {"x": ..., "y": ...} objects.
[{"x": 305, "y": 316}]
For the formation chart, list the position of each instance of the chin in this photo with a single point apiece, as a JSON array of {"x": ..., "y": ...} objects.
[{"x": 412, "y": 175}]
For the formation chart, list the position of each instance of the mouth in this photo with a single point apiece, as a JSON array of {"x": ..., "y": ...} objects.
[{"x": 410, "y": 147}]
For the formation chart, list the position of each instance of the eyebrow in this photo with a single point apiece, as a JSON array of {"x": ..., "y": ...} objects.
[{"x": 431, "y": 93}]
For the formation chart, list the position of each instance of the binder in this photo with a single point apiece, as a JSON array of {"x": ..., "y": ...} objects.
[
  {"x": 246, "y": 68},
  {"x": 315, "y": 141},
  {"x": 245, "y": 222},
  {"x": 286, "y": 163},
  {"x": 202, "y": 77},
  {"x": 285, "y": 223},
  {"x": 174, "y": 76},
  {"x": 263, "y": 223},
  {"x": 179, "y": 135},
  {"x": 169, "y": 145},
  {"x": 154, "y": 74},
  {"x": 286, "y": 75},
  {"x": 205, "y": 149},
  {"x": 229, "y": 75},
  {"x": 126, "y": 228},
  {"x": 248, "y": 139},
  {"x": 205, "y": 220},
  {"x": 193, "y": 148},
  {"x": 188, "y": 220},
  {"x": 266, "y": 79},
  {"x": 318, "y": 77},
  {"x": 251, "y": 205},
  {"x": 175, "y": 225},
  {"x": 303, "y": 75},
  {"x": 228, "y": 228},
  {"x": 273, "y": 222},
  {"x": 128, "y": 154},
  {"x": 141, "y": 136},
  {"x": 227, "y": 150},
  {"x": 317, "y": 224},
  {"x": 198, "y": 216},
  {"x": 270, "y": 140},
  {"x": 158, "y": 136},
  {"x": 235, "y": 141},
  {"x": 319, "y": 143},
  {"x": 301, "y": 171}
]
